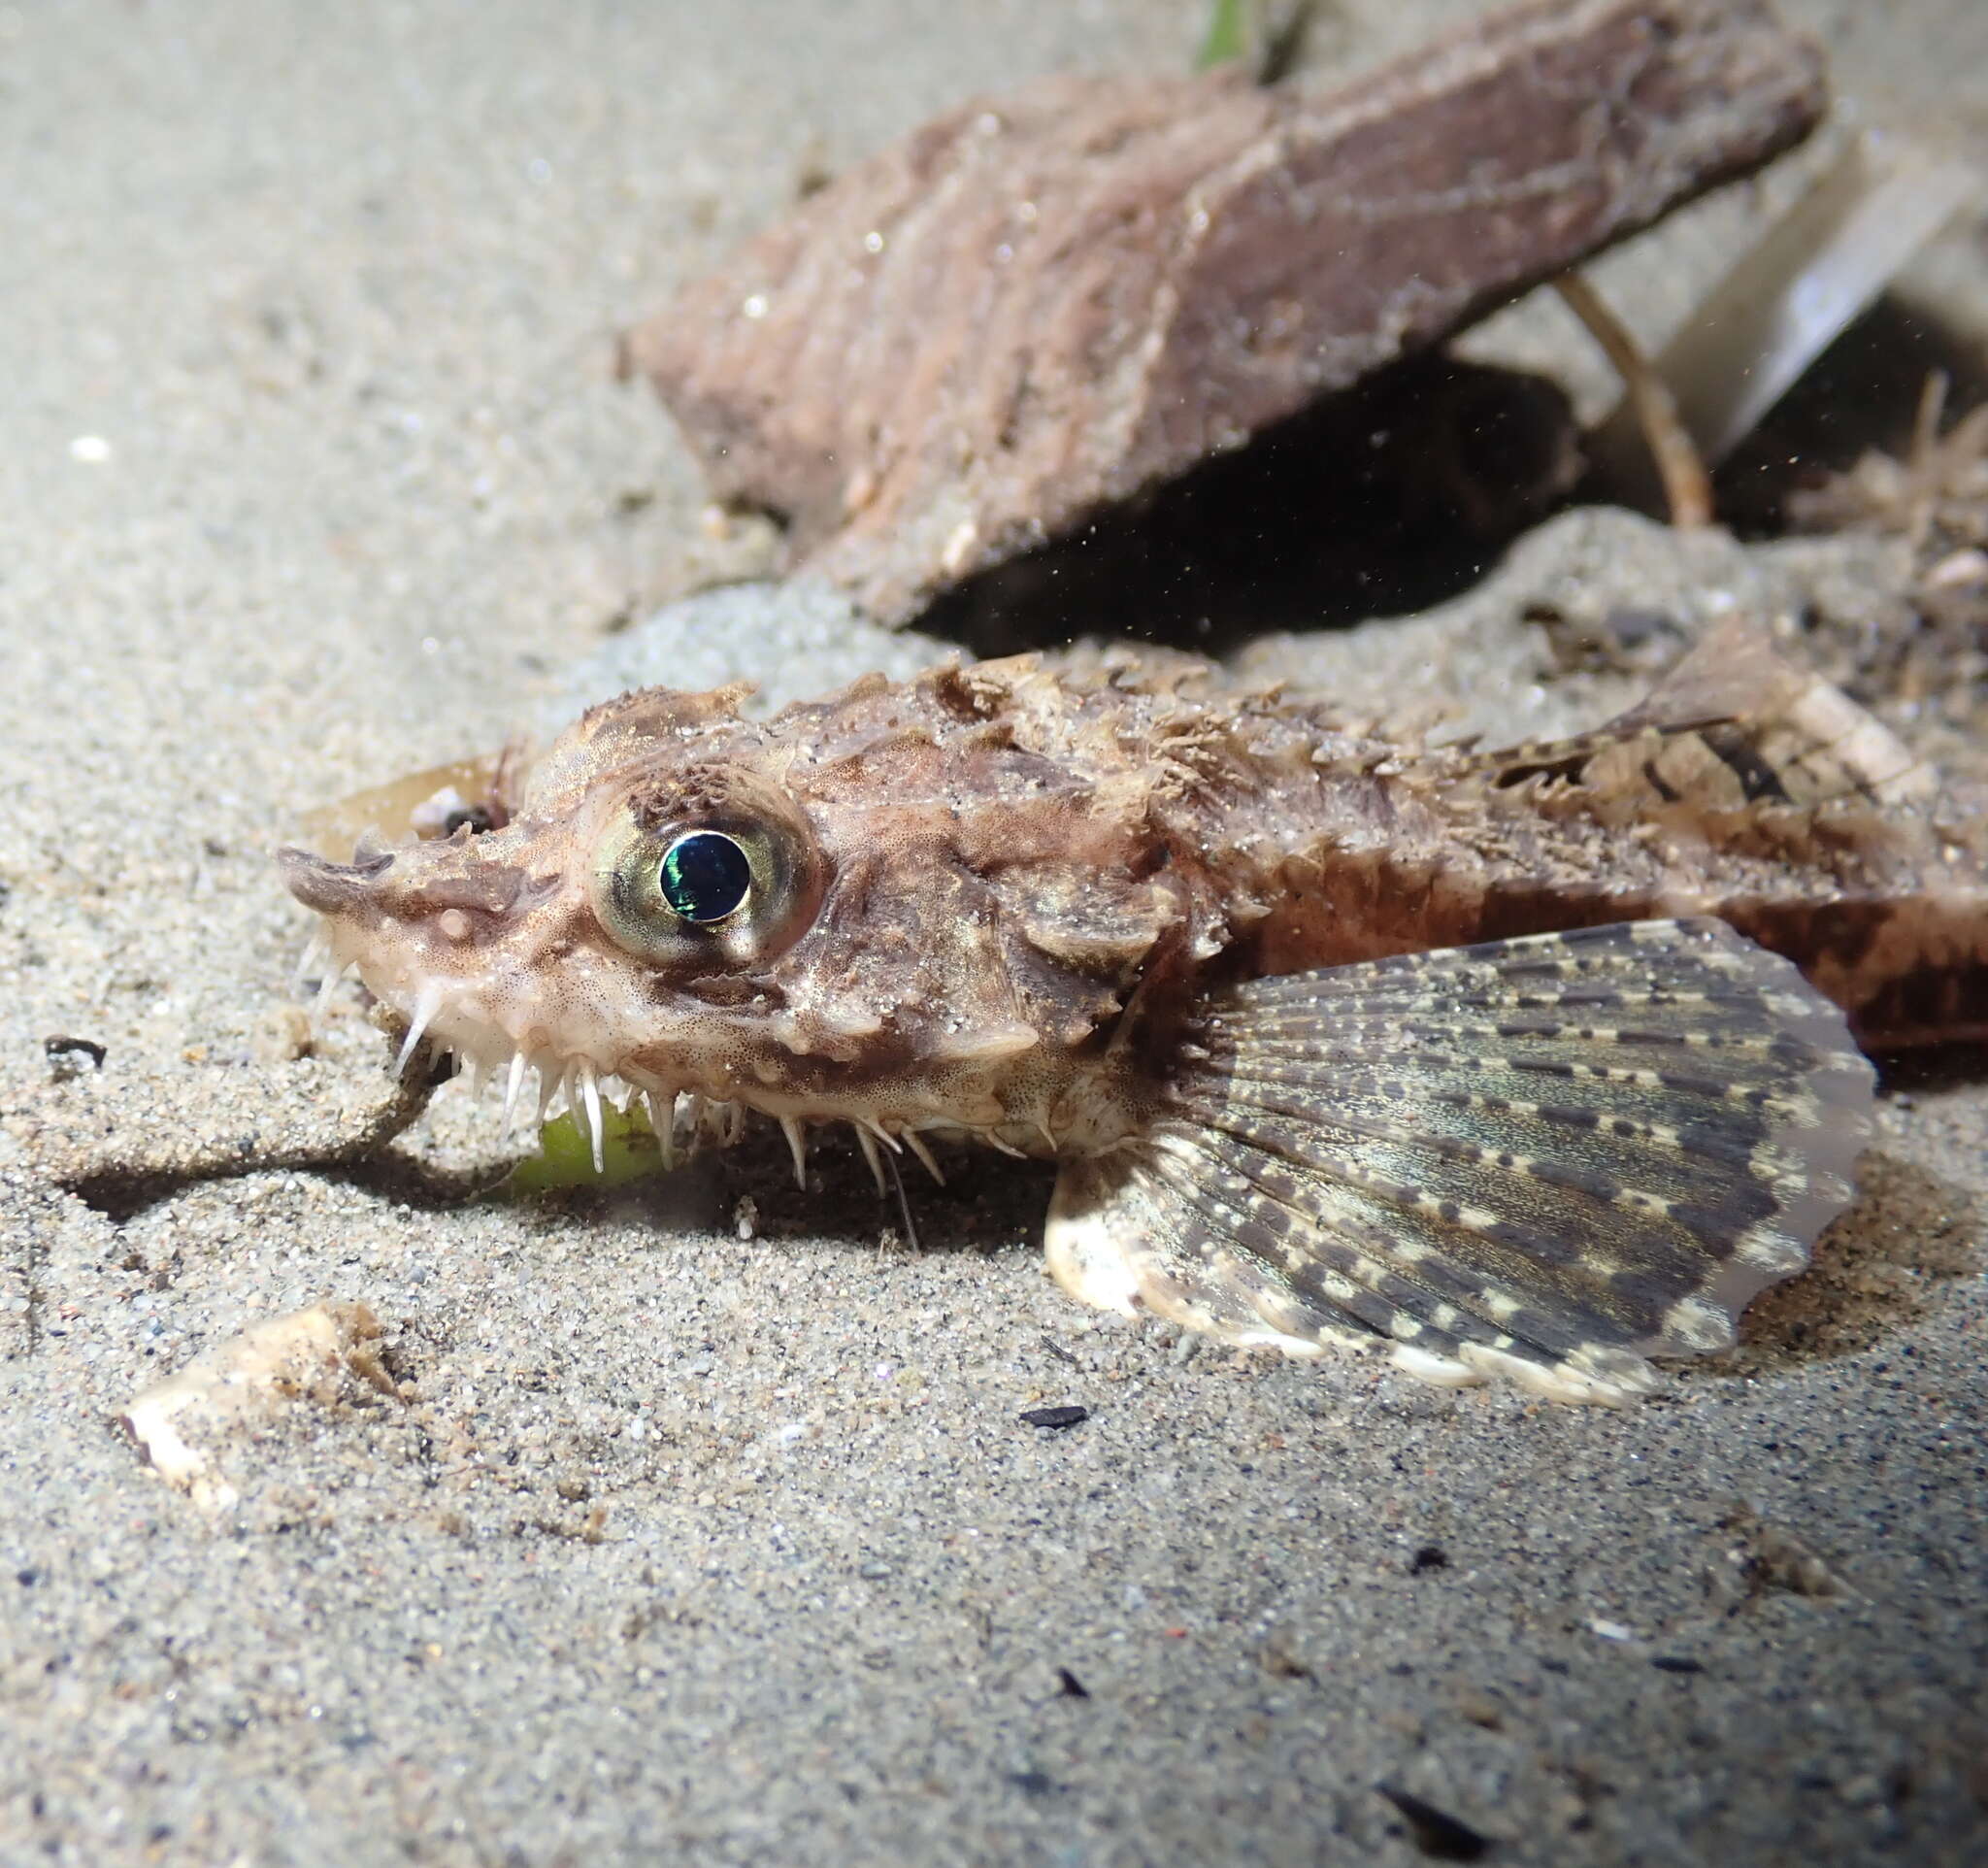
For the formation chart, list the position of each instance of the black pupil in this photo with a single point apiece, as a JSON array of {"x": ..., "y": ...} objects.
[{"x": 705, "y": 876}]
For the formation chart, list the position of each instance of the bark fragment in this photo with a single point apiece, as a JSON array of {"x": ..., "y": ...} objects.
[{"x": 1039, "y": 305}]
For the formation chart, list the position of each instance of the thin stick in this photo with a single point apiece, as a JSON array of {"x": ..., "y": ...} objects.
[
  {"x": 1687, "y": 487},
  {"x": 1924, "y": 458}
]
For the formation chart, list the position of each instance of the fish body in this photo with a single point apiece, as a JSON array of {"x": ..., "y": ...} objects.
[{"x": 1483, "y": 1059}]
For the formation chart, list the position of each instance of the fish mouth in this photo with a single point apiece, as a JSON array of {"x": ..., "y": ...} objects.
[
  {"x": 540, "y": 1079},
  {"x": 384, "y": 922},
  {"x": 397, "y": 926},
  {"x": 541, "y": 1082}
]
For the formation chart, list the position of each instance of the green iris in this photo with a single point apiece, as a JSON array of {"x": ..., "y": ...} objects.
[{"x": 705, "y": 876}]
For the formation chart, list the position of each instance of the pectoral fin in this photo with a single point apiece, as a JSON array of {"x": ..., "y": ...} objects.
[{"x": 1545, "y": 1158}]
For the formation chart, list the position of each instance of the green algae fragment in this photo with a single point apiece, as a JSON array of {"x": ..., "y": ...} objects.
[
  {"x": 629, "y": 1152},
  {"x": 1249, "y": 29},
  {"x": 1228, "y": 35}
]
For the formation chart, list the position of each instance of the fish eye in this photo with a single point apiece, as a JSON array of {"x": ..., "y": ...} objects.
[
  {"x": 705, "y": 876},
  {"x": 729, "y": 878}
]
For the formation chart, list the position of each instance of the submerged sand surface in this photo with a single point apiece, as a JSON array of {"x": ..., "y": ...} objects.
[{"x": 659, "y": 1540}]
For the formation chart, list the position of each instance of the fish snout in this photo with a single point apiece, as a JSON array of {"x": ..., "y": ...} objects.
[
  {"x": 456, "y": 883},
  {"x": 334, "y": 888}
]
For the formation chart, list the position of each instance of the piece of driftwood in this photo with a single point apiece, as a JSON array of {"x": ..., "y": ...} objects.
[{"x": 1041, "y": 304}]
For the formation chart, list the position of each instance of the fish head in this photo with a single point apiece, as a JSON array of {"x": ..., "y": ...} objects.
[{"x": 888, "y": 908}]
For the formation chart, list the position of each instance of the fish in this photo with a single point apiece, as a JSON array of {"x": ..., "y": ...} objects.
[{"x": 1529, "y": 1064}]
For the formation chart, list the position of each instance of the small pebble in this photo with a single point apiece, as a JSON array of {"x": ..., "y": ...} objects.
[{"x": 1056, "y": 1419}]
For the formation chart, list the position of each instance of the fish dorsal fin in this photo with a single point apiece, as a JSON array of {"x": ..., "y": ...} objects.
[
  {"x": 1734, "y": 727},
  {"x": 1779, "y": 729},
  {"x": 1734, "y": 671},
  {"x": 1544, "y": 1158}
]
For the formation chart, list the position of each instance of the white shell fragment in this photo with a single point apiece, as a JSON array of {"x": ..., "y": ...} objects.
[{"x": 185, "y": 1423}]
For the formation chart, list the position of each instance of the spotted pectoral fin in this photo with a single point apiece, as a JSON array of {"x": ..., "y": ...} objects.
[{"x": 1547, "y": 1158}]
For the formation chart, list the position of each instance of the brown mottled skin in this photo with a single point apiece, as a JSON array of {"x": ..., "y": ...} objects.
[
  {"x": 991, "y": 900},
  {"x": 1001, "y": 862}
]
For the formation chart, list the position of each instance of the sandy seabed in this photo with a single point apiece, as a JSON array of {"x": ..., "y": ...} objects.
[{"x": 676, "y": 1545}]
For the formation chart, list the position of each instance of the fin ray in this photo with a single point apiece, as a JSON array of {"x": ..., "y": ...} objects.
[{"x": 1577, "y": 1190}]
